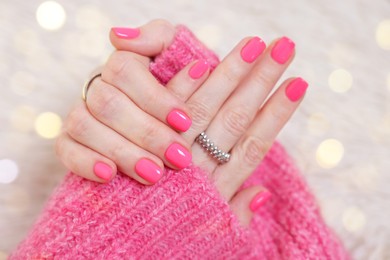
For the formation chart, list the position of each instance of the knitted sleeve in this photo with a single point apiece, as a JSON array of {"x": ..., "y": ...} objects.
[{"x": 182, "y": 216}]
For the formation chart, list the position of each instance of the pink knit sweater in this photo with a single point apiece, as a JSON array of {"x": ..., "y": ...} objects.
[{"x": 182, "y": 216}]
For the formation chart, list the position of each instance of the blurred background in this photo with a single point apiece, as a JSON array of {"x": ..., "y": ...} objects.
[{"x": 340, "y": 137}]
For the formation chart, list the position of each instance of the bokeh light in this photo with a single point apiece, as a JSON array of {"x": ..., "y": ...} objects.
[
  {"x": 51, "y": 15},
  {"x": 383, "y": 34},
  {"x": 353, "y": 219},
  {"x": 8, "y": 171},
  {"x": 340, "y": 80},
  {"x": 48, "y": 125},
  {"x": 329, "y": 153}
]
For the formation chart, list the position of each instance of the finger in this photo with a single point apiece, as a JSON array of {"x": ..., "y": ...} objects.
[
  {"x": 187, "y": 81},
  {"x": 254, "y": 144},
  {"x": 84, "y": 161},
  {"x": 205, "y": 103},
  {"x": 148, "y": 40},
  {"x": 239, "y": 110},
  {"x": 129, "y": 158},
  {"x": 114, "y": 109},
  {"x": 127, "y": 72},
  {"x": 246, "y": 202}
]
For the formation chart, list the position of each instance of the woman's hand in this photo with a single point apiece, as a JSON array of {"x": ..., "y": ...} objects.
[
  {"x": 231, "y": 106},
  {"x": 126, "y": 114}
]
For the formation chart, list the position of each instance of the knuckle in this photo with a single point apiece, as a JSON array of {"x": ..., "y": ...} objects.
[
  {"x": 165, "y": 32},
  {"x": 279, "y": 114},
  {"x": 151, "y": 132},
  {"x": 236, "y": 120},
  {"x": 265, "y": 77},
  {"x": 231, "y": 72},
  {"x": 163, "y": 24},
  {"x": 200, "y": 113},
  {"x": 103, "y": 102},
  {"x": 118, "y": 65},
  {"x": 253, "y": 150},
  {"x": 151, "y": 101},
  {"x": 118, "y": 153},
  {"x": 76, "y": 123}
]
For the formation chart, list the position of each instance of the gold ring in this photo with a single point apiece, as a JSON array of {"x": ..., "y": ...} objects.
[{"x": 87, "y": 85}]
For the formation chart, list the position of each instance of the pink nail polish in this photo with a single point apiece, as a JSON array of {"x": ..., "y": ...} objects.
[
  {"x": 178, "y": 155},
  {"x": 199, "y": 69},
  {"x": 259, "y": 200},
  {"x": 283, "y": 50},
  {"x": 252, "y": 49},
  {"x": 179, "y": 120},
  {"x": 103, "y": 171},
  {"x": 148, "y": 170},
  {"x": 126, "y": 33},
  {"x": 296, "y": 89}
]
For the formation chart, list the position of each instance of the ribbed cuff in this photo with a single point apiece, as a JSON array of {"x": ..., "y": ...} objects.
[{"x": 180, "y": 217}]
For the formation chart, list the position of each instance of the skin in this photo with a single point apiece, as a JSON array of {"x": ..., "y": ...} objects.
[{"x": 116, "y": 106}]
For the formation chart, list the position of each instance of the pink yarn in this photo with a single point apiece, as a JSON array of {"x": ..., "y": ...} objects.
[{"x": 182, "y": 216}]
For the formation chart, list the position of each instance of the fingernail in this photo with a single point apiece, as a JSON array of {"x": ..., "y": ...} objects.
[
  {"x": 148, "y": 170},
  {"x": 259, "y": 200},
  {"x": 103, "y": 171},
  {"x": 178, "y": 155},
  {"x": 126, "y": 33},
  {"x": 282, "y": 50},
  {"x": 199, "y": 69},
  {"x": 296, "y": 89},
  {"x": 252, "y": 49},
  {"x": 179, "y": 120}
]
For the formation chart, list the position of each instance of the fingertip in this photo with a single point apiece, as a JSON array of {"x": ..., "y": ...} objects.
[
  {"x": 198, "y": 69},
  {"x": 259, "y": 199},
  {"x": 148, "y": 40},
  {"x": 149, "y": 171},
  {"x": 104, "y": 171},
  {"x": 246, "y": 202},
  {"x": 126, "y": 33}
]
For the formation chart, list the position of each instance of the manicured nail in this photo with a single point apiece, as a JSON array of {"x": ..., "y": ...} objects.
[
  {"x": 199, "y": 69},
  {"x": 296, "y": 89},
  {"x": 179, "y": 120},
  {"x": 148, "y": 170},
  {"x": 259, "y": 200},
  {"x": 252, "y": 49},
  {"x": 283, "y": 50},
  {"x": 103, "y": 171},
  {"x": 126, "y": 33},
  {"x": 178, "y": 155}
]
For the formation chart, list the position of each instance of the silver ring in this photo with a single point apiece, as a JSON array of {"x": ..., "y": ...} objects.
[
  {"x": 212, "y": 149},
  {"x": 87, "y": 85}
]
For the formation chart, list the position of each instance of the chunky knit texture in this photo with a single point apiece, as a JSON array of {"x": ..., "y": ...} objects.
[{"x": 182, "y": 216}]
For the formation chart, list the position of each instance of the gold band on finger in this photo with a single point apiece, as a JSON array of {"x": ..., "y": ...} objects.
[{"x": 87, "y": 84}]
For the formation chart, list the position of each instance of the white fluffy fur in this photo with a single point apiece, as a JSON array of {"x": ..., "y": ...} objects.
[{"x": 329, "y": 35}]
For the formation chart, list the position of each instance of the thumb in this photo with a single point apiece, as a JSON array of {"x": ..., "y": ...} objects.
[
  {"x": 148, "y": 40},
  {"x": 248, "y": 201}
]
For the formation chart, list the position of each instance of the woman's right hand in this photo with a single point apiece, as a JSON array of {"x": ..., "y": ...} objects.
[{"x": 234, "y": 105}]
